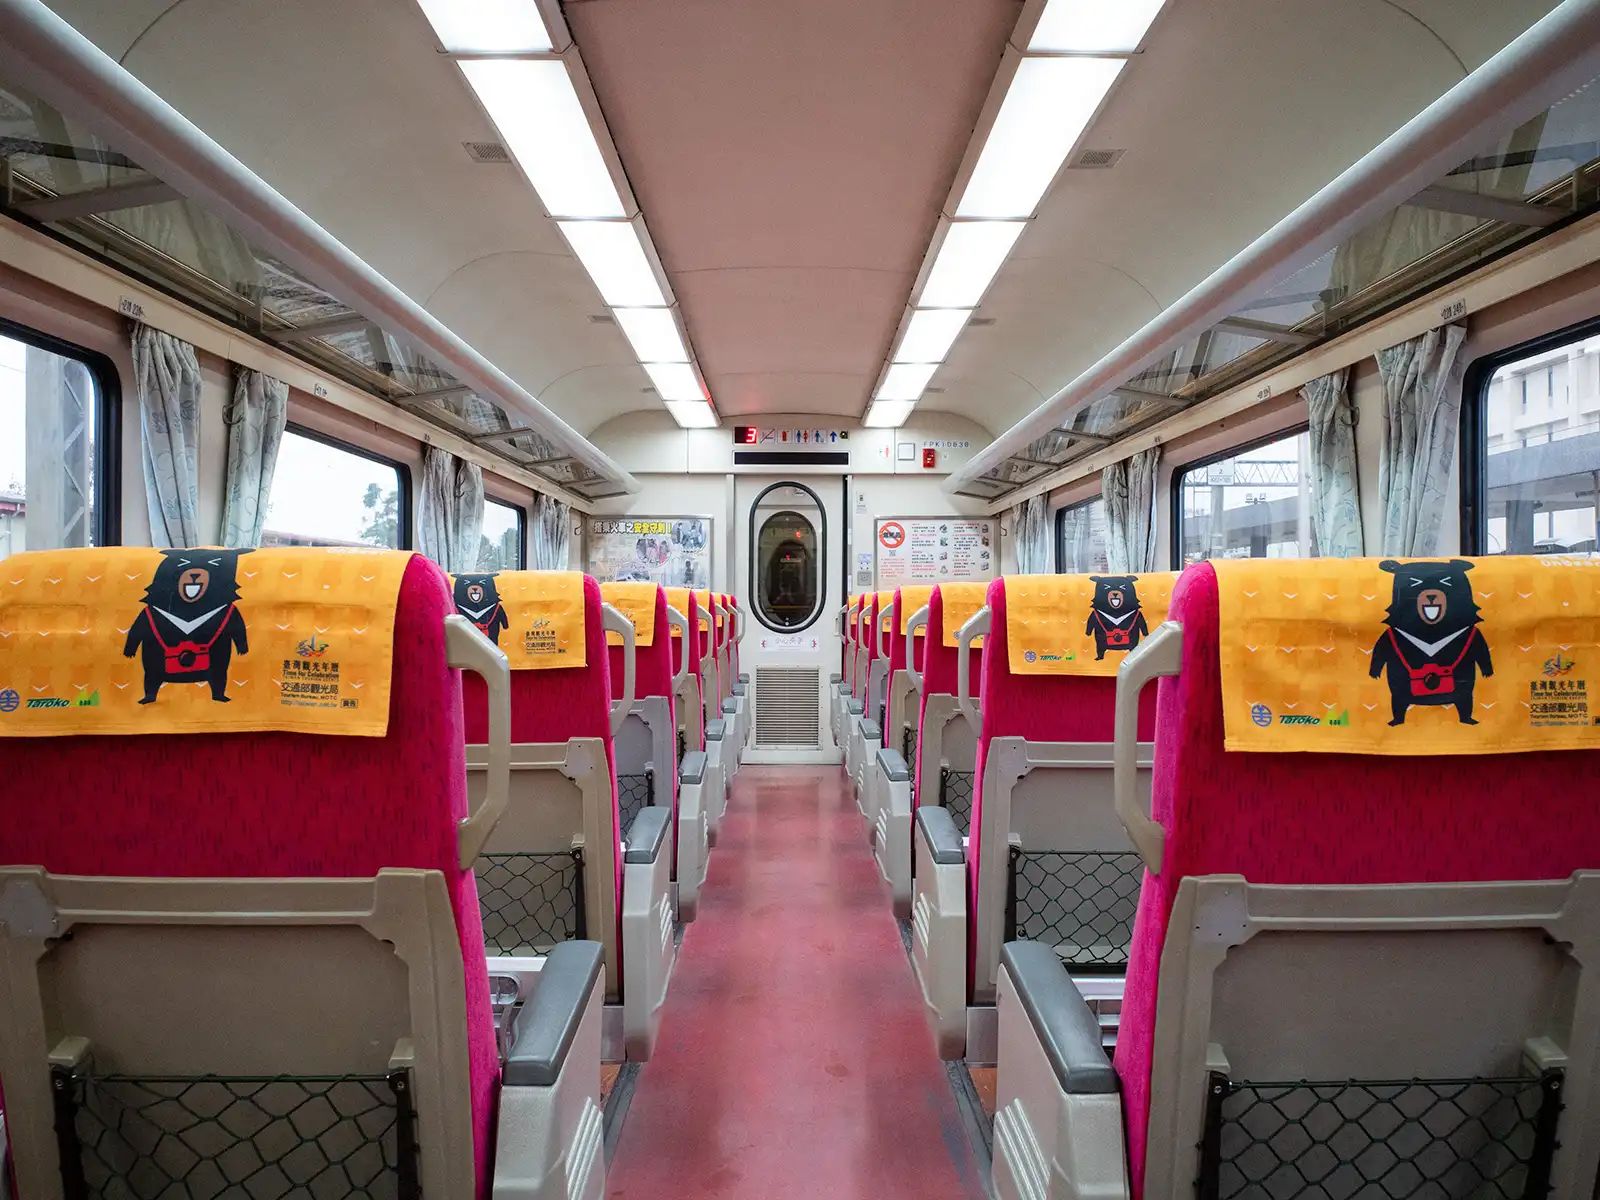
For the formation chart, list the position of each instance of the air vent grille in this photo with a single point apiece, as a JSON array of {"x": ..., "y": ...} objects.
[
  {"x": 1097, "y": 160},
  {"x": 981, "y": 322},
  {"x": 788, "y": 708},
  {"x": 602, "y": 319},
  {"x": 486, "y": 152}
]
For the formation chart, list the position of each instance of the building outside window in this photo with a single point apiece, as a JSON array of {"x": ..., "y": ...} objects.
[{"x": 1253, "y": 503}]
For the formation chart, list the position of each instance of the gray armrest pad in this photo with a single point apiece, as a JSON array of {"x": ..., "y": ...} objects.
[
  {"x": 1066, "y": 1028},
  {"x": 550, "y": 1019},
  {"x": 857, "y": 708},
  {"x": 715, "y": 730},
  {"x": 939, "y": 831},
  {"x": 738, "y": 689},
  {"x": 892, "y": 765},
  {"x": 872, "y": 731},
  {"x": 833, "y": 677},
  {"x": 744, "y": 676},
  {"x": 730, "y": 705},
  {"x": 693, "y": 768},
  {"x": 648, "y": 833}
]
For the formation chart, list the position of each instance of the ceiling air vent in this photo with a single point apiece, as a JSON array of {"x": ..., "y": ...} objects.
[
  {"x": 1097, "y": 160},
  {"x": 486, "y": 152},
  {"x": 934, "y": 391},
  {"x": 981, "y": 322},
  {"x": 602, "y": 319}
]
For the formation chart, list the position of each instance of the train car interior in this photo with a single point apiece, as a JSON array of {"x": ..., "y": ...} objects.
[{"x": 729, "y": 600}]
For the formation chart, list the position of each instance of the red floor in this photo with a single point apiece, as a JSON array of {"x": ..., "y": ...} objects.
[{"x": 793, "y": 1059}]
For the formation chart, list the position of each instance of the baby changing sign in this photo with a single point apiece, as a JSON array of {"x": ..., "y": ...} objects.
[
  {"x": 1410, "y": 656},
  {"x": 934, "y": 550},
  {"x": 131, "y": 640}
]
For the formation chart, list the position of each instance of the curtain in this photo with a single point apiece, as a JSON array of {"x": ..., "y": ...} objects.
[
  {"x": 1335, "y": 491},
  {"x": 256, "y": 416},
  {"x": 1421, "y": 405},
  {"x": 1129, "y": 488},
  {"x": 450, "y": 510},
  {"x": 167, "y": 376},
  {"x": 551, "y": 537},
  {"x": 1031, "y": 521}
]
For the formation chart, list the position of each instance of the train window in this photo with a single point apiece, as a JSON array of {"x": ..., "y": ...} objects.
[
  {"x": 1081, "y": 537},
  {"x": 326, "y": 493},
  {"x": 1251, "y": 503},
  {"x": 788, "y": 540},
  {"x": 500, "y": 548},
  {"x": 55, "y": 415},
  {"x": 1538, "y": 466}
]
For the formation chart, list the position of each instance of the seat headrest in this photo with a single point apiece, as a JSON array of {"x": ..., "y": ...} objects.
[{"x": 645, "y": 604}]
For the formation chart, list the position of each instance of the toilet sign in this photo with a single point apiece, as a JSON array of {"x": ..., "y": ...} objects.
[{"x": 892, "y": 535}]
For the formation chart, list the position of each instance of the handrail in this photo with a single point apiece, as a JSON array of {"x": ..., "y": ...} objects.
[
  {"x": 977, "y": 625},
  {"x": 1159, "y": 654},
  {"x": 466, "y": 649},
  {"x": 919, "y": 620},
  {"x": 886, "y": 626},
  {"x": 43, "y": 54},
  {"x": 612, "y": 621},
  {"x": 1554, "y": 57},
  {"x": 678, "y": 621}
]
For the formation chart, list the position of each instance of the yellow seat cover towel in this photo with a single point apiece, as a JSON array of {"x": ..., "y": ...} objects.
[
  {"x": 961, "y": 603},
  {"x": 1081, "y": 624},
  {"x": 136, "y": 640},
  {"x": 536, "y": 617},
  {"x": 637, "y": 602},
  {"x": 912, "y": 599},
  {"x": 1428, "y": 656}
]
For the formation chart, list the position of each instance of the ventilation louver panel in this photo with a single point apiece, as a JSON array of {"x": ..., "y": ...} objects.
[
  {"x": 486, "y": 152},
  {"x": 788, "y": 708}
]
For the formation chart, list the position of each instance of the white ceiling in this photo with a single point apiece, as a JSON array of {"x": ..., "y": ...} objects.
[{"x": 790, "y": 160}]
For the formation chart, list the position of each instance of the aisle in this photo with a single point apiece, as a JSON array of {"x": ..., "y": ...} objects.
[{"x": 793, "y": 1059}]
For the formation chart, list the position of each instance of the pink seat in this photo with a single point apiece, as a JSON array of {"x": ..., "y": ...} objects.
[
  {"x": 938, "y": 677},
  {"x": 1250, "y": 814},
  {"x": 653, "y": 671},
  {"x": 898, "y": 648},
  {"x": 279, "y": 805}
]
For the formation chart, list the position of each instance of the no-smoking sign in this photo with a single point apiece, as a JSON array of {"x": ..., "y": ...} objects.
[{"x": 892, "y": 535}]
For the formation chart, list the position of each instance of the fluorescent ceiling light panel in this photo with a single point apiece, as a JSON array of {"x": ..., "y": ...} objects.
[
  {"x": 930, "y": 333},
  {"x": 1046, "y": 109},
  {"x": 488, "y": 26},
  {"x": 614, "y": 257},
  {"x": 968, "y": 258},
  {"x": 653, "y": 334},
  {"x": 693, "y": 414},
  {"x": 1093, "y": 26},
  {"x": 676, "y": 381},
  {"x": 535, "y": 107},
  {"x": 888, "y": 414},
  {"x": 905, "y": 381}
]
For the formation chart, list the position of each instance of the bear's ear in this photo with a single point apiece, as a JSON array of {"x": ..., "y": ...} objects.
[
  {"x": 1097, "y": 579},
  {"x": 1461, "y": 564},
  {"x": 1389, "y": 565}
]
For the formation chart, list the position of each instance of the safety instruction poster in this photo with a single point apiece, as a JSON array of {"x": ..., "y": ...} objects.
[
  {"x": 670, "y": 551},
  {"x": 934, "y": 550}
]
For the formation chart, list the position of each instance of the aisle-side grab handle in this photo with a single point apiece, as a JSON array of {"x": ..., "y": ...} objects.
[
  {"x": 886, "y": 626},
  {"x": 977, "y": 625},
  {"x": 918, "y": 621},
  {"x": 1159, "y": 654},
  {"x": 466, "y": 649},
  {"x": 613, "y": 621},
  {"x": 678, "y": 621}
]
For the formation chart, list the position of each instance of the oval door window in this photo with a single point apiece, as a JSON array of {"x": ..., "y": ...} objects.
[{"x": 788, "y": 570}]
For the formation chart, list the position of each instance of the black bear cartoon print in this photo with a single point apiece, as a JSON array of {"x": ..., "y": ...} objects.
[
  {"x": 190, "y": 625},
  {"x": 1432, "y": 648},
  {"x": 478, "y": 600},
  {"x": 1116, "y": 621}
]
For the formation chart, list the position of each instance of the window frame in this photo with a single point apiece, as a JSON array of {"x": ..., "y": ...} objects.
[
  {"x": 522, "y": 527},
  {"x": 822, "y": 556},
  {"x": 1472, "y": 452},
  {"x": 1061, "y": 521},
  {"x": 402, "y": 470},
  {"x": 1175, "y": 482},
  {"x": 106, "y": 520}
]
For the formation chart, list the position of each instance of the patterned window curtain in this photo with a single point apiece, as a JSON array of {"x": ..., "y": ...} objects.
[
  {"x": 167, "y": 376},
  {"x": 1129, "y": 488},
  {"x": 550, "y": 540},
  {"x": 1335, "y": 490},
  {"x": 1421, "y": 407},
  {"x": 1031, "y": 521},
  {"x": 450, "y": 510},
  {"x": 256, "y": 417}
]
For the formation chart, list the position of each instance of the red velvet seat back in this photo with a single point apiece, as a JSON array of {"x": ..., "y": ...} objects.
[
  {"x": 938, "y": 669},
  {"x": 1253, "y": 814},
  {"x": 652, "y": 671},
  {"x": 278, "y": 805},
  {"x": 897, "y": 638}
]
